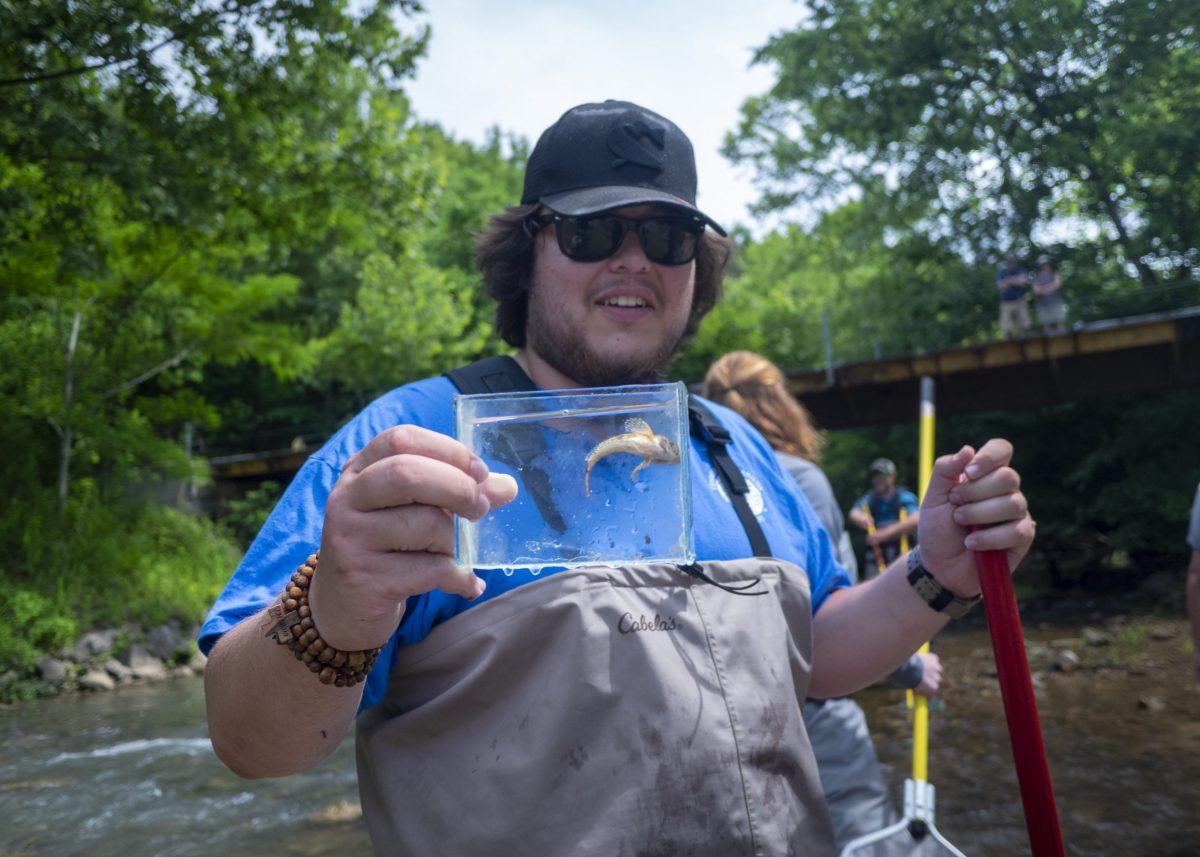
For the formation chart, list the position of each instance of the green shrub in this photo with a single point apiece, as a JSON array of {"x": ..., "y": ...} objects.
[
  {"x": 32, "y": 623},
  {"x": 247, "y": 514},
  {"x": 104, "y": 564}
]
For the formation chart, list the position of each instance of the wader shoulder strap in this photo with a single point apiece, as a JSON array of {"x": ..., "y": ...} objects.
[
  {"x": 522, "y": 443},
  {"x": 503, "y": 375},
  {"x": 716, "y": 437},
  {"x": 491, "y": 375}
]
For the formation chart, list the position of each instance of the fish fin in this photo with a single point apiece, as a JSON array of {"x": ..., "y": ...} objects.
[
  {"x": 646, "y": 462},
  {"x": 637, "y": 425}
]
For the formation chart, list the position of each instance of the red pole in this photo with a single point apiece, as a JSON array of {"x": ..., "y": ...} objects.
[{"x": 1020, "y": 707}]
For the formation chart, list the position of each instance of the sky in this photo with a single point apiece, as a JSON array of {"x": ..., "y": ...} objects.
[{"x": 520, "y": 64}]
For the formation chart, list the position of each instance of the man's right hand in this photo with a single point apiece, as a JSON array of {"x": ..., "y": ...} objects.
[{"x": 389, "y": 532}]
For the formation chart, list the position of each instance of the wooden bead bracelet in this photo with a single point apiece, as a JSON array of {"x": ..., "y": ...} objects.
[{"x": 291, "y": 625}]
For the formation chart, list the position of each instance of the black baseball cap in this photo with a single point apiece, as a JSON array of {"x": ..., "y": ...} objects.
[{"x": 606, "y": 155}]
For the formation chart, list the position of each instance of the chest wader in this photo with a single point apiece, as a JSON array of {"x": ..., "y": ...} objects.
[{"x": 636, "y": 710}]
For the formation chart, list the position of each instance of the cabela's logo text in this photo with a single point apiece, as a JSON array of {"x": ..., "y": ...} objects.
[{"x": 629, "y": 625}]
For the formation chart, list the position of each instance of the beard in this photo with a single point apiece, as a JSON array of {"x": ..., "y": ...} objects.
[{"x": 566, "y": 350}]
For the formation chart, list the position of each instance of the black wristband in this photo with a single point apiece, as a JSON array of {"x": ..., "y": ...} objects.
[{"x": 935, "y": 595}]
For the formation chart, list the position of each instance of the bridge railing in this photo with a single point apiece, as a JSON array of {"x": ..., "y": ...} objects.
[{"x": 945, "y": 329}]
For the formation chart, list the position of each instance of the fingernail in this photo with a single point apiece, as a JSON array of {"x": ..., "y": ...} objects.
[
  {"x": 973, "y": 471},
  {"x": 958, "y": 516},
  {"x": 481, "y": 588},
  {"x": 482, "y": 506},
  {"x": 971, "y": 543},
  {"x": 477, "y": 469}
]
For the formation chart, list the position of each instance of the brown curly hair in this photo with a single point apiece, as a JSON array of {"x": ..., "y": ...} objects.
[
  {"x": 504, "y": 253},
  {"x": 754, "y": 387}
]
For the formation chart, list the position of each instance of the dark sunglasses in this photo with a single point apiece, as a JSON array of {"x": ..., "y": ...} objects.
[{"x": 666, "y": 239}]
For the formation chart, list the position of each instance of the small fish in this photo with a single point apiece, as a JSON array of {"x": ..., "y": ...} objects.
[{"x": 639, "y": 439}]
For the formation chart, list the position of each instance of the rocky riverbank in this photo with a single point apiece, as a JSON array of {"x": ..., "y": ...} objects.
[{"x": 108, "y": 659}]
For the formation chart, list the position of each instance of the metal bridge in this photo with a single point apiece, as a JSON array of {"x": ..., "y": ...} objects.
[{"x": 1129, "y": 355}]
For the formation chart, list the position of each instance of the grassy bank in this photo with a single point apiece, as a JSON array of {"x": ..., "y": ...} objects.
[{"x": 104, "y": 565}]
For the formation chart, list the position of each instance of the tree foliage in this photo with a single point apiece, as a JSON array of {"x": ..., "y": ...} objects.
[
  {"x": 913, "y": 145},
  {"x": 1008, "y": 114},
  {"x": 215, "y": 217},
  {"x": 883, "y": 285}
]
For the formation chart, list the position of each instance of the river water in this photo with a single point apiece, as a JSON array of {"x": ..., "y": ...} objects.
[{"x": 131, "y": 773}]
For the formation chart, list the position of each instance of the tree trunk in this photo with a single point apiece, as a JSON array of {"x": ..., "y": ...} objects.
[
  {"x": 1145, "y": 272},
  {"x": 66, "y": 433}
]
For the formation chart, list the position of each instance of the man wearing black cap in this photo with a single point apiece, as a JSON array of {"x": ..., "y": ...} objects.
[
  {"x": 595, "y": 710},
  {"x": 888, "y": 514}
]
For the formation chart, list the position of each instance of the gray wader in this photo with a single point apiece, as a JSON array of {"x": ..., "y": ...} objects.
[{"x": 603, "y": 711}]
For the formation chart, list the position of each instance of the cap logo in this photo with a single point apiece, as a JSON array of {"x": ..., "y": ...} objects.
[{"x": 639, "y": 143}]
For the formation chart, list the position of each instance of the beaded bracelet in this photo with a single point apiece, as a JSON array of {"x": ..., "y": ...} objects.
[{"x": 291, "y": 625}]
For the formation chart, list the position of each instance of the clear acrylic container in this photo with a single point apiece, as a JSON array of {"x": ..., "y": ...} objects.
[{"x": 574, "y": 454}]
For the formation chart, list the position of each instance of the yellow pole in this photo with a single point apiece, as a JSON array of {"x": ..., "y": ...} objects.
[
  {"x": 925, "y": 466},
  {"x": 880, "y": 565}
]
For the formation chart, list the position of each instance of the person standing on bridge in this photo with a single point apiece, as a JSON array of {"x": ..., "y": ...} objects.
[
  {"x": 1047, "y": 294},
  {"x": 889, "y": 515},
  {"x": 1012, "y": 284},
  {"x": 507, "y": 712}
]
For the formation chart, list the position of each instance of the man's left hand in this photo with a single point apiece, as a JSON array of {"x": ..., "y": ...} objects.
[{"x": 973, "y": 503}]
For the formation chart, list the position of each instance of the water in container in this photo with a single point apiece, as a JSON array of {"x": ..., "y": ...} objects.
[{"x": 600, "y": 477}]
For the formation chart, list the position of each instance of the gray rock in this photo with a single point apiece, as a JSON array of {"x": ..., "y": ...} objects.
[
  {"x": 167, "y": 642},
  {"x": 142, "y": 664},
  {"x": 118, "y": 670},
  {"x": 1158, "y": 632},
  {"x": 1150, "y": 703},
  {"x": 1092, "y": 637},
  {"x": 96, "y": 680},
  {"x": 1066, "y": 661},
  {"x": 93, "y": 643},
  {"x": 52, "y": 670}
]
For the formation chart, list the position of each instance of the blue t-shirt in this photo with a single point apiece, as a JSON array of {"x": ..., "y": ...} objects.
[
  {"x": 887, "y": 511},
  {"x": 293, "y": 531},
  {"x": 1012, "y": 292}
]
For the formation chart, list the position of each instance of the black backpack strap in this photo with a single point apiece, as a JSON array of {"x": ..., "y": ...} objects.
[
  {"x": 491, "y": 375},
  {"x": 522, "y": 443},
  {"x": 716, "y": 437}
]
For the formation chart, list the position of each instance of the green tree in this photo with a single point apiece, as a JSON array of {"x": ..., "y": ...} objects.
[
  {"x": 187, "y": 192},
  {"x": 883, "y": 284},
  {"x": 1009, "y": 114}
]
